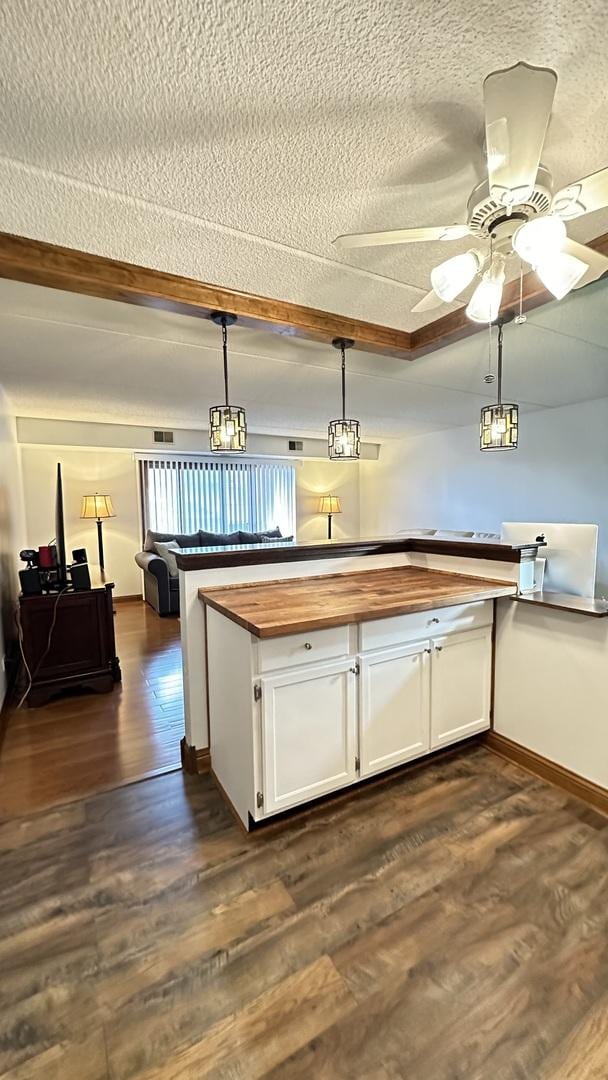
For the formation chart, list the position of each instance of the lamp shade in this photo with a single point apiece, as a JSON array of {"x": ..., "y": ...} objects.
[
  {"x": 329, "y": 504},
  {"x": 97, "y": 506}
]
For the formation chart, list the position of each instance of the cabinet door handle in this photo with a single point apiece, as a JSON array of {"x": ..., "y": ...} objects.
[
  {"x": 438, "y": 648},
  {"x": 307, "y": 645},
  {"x": 434, "y": 620},
  {"x": 428, "y": 650}
]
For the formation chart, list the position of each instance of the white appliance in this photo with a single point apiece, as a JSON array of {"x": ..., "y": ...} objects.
[{"x": 571, "y": 553}]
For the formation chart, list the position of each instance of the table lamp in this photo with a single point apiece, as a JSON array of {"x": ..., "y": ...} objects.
[
  {"x": 329, "y": 504},
  {"x": 98, "y": 507}
]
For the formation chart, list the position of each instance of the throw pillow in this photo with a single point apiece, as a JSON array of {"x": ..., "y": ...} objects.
[
  {"x": 166, "y": 552},
  {"x": 185, "y": 540},
  {"x": 211, "y": 539},
  {"x": 250, "y": 537}
]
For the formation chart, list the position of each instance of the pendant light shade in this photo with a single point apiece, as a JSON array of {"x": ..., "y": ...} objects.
[
  {"x": 343, "y": 436},
  {"x": 499, "y": 427},
  {"x": 227, "y": 423}
]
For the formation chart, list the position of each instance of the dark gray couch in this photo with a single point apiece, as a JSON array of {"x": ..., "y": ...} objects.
[{"x": 161, "y": 589}]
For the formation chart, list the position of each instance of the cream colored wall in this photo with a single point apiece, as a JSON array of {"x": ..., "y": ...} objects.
[
  {"x": 12, "y": 532},
  {"x": 84, "y": 472},
  {"x": 316, "y": 478},
  {"x": 90, "y": 468},
  {"x": 85, "y": 433}
]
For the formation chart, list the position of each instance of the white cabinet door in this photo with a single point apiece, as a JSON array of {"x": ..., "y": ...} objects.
[
  {"x": 394, "y": 706},
  {"x": 460, "y": 685},
  {"x": 308, "y": 733}
]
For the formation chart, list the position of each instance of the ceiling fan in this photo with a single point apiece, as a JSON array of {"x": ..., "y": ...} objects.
[{"x": 514, "y": 208}]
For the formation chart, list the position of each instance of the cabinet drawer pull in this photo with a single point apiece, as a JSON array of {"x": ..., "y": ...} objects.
[
  {"x": 428, "y": 650},
  {"x": 307, "y": 645},
  {"x": 438, "y": 648},
  {"x": 434, "y": 620}
]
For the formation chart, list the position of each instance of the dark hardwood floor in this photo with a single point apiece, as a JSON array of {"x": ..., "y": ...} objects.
[
  {"x": 79, "y": 744},
  {"x": 447, "y": 924}
]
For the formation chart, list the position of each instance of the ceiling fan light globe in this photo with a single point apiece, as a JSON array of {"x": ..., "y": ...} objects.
[
  {"x": 484, "y": 305},
  {"x": 540, "y": 238},
  {"x": 561, "y": 272},
  {"x": 449, "y": 278}
]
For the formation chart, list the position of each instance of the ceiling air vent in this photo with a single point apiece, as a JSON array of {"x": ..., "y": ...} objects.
[
  {"x": 296, "y": 444},
  {"x": 163, "y": 436}
]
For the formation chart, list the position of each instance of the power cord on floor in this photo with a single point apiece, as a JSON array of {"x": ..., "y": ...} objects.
[{"x": 31, "y": 675}]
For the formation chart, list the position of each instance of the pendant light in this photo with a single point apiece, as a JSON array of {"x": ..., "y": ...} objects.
[
  {"x": 343, "y": 436},
  {"x": 227, "y": 423},
  {"x": 499, "y": 425}
]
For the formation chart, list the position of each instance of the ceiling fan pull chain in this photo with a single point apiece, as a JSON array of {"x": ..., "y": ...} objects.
[
  {"x": 489, "y": 376},
  {"x": 520, "y": 317}
]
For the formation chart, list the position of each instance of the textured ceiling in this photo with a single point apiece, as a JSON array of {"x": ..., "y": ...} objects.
[
  {"x": 231, "y": 141},
  {"x": 80, "y": 358}
]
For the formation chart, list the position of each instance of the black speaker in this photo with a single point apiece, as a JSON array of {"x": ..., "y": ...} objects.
[
  {"x": 81, "y": 579},
  {"x": 30, "y": 582},
  {"x": 79, "y": 555}
]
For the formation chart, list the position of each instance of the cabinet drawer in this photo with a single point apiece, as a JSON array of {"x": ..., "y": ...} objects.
[
  {"x": 377, "y": 633},
  {"x": 307, "y": 648}
]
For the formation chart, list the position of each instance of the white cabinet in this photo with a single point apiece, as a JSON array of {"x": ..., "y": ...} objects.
[
  {"x": 394, "y": 706},
  {"x": 309, "y": 722},
  {"x": 460, "y": 685},
  {"x": 297, "y": 717}
]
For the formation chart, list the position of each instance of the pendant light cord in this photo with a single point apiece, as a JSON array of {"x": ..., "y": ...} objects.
[
  {"x": 225, "y": 352},
  {"x": 500, "y": 364},
  {"x": 343, "y": 351}
]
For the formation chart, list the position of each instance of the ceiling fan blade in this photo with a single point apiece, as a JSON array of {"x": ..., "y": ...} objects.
[
  {"x": 518, "y": 105},
  {"x": 401, "y": 236},
  {"x": 597, "y": 263},
  {"x": 428, "y": 302},
  {"x": 583, "y": 196}
]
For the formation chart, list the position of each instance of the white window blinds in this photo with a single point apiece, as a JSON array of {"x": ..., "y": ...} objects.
[{"x": 183, "y": 495}]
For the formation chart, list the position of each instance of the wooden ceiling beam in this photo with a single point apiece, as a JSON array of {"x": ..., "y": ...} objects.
[{"x": 39, "y": 263}]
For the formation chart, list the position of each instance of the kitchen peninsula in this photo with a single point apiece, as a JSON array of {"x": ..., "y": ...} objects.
[
  {"x": 317, "y": 682},
  {"x": 218, "y": 566}
]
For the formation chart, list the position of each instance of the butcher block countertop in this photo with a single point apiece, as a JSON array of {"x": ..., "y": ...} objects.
[{"x": 270, "y": 609}]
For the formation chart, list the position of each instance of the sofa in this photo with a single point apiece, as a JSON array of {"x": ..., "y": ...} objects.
[{"x": 157, "y": 560}]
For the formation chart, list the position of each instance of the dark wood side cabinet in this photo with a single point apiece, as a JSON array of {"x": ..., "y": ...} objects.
[{"x": 82, "y": 652}]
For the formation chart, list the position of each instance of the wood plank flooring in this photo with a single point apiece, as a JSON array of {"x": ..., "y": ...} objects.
[
  {"x": 79, "y": 744},
  {"x": 449, "y": 923}
]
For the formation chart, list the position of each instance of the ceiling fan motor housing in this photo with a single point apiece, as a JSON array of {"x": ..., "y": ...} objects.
[{"x": 487, "y": 217}]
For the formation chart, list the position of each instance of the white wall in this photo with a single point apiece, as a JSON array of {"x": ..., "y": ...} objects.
[
  {"x": 12, "y": 532},
  {"x": 89, "y": 466},
  {"x": 558, "y": 473}
]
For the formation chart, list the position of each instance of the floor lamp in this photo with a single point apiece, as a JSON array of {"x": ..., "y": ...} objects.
[
  {"x": 98, "y": 507},
  {"x": 330, "y": 505}
]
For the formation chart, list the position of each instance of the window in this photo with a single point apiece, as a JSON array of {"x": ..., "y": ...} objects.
[{"x": 183, "y": 495}]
